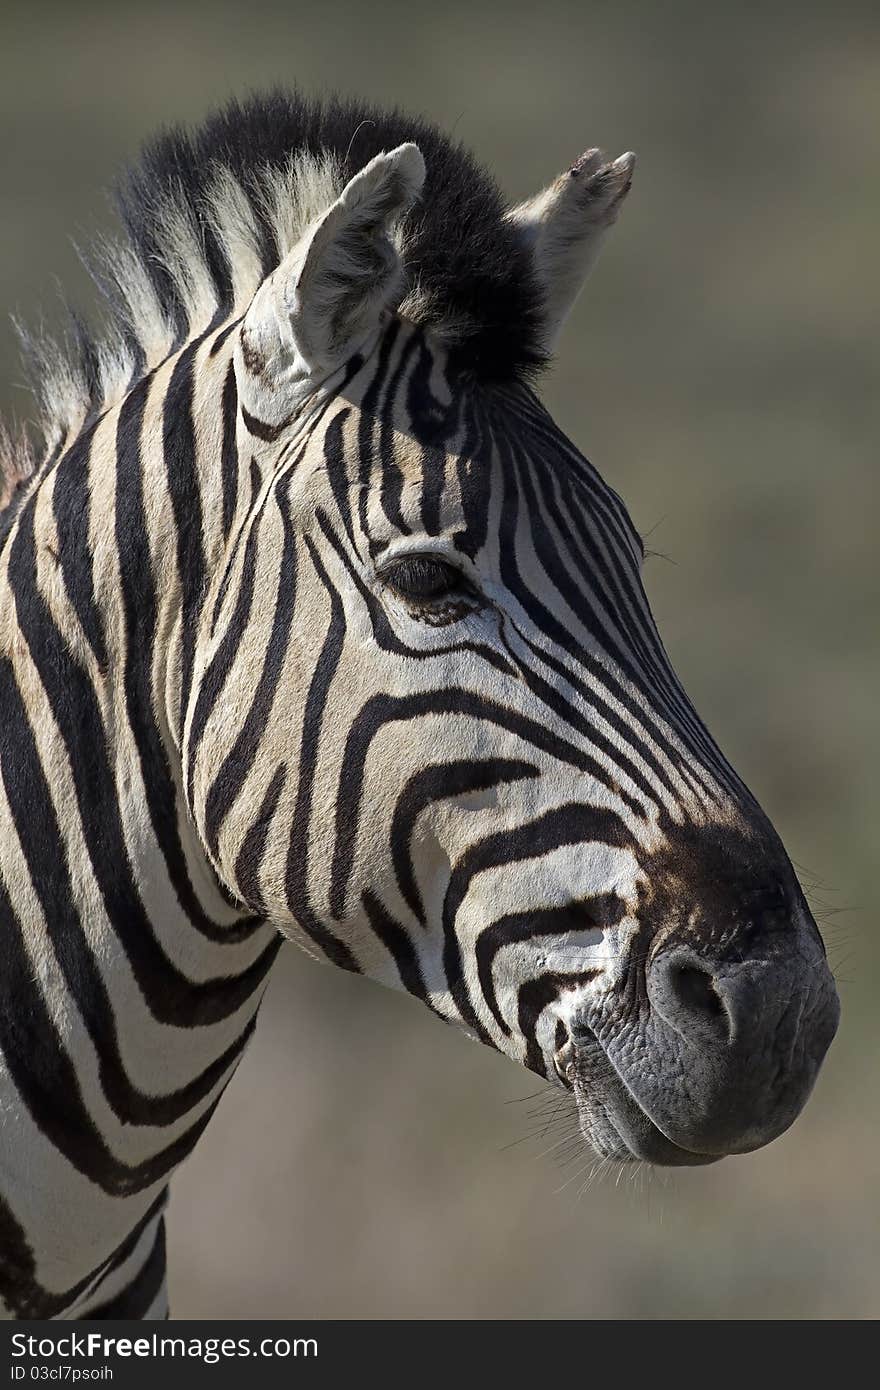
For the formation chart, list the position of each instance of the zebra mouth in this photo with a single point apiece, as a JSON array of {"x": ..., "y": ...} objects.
[{"x": 611, "y": 1119}]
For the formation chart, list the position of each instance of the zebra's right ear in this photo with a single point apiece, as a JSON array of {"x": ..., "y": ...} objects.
[{"x": 330, "y": 293}]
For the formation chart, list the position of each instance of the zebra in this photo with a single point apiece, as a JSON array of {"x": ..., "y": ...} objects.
[{"x": 315, "y": 627}]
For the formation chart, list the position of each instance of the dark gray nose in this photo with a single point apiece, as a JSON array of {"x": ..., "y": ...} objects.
[{"x": 697, "y": 1003}]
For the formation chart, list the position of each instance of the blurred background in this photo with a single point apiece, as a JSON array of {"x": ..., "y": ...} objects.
[{"x": 720, "y": 370}]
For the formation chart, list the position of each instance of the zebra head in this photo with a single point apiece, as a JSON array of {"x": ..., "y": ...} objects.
[{"x": 432, "y": 733}]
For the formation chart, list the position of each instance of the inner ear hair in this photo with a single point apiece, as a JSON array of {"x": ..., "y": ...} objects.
[{"x": 331, "y": 291}]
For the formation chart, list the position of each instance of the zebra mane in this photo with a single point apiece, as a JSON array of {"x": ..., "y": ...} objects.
[{"x": 208, "y": 213}]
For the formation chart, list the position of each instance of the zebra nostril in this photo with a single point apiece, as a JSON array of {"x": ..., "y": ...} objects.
[
  {"x": 685, "y": 992},
  {"x": 564, "y": 1063},
  {"x": 696, "y": 990}
]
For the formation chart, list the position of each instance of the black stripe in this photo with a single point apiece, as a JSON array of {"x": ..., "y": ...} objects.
[
  {"x": 229, "y": 449},
  {"x": 398, "y": 945},
  {"x": 336, "y": 461},
  {"x": 213, "y": 681},
  {"x": 135, "y": 1300},
  {"x": 71, "y": 505},
  {"x": 473, "y": 466},
  {"x": 244, "y": 529},
  {"x": 434, "y": 425},
  {"x": 367, "y": 427},
  {"x": 391, "y": 491},
  {"x": 249, "y": 861},
  {"x": 223, "y": 335},
  {"x": 179, "y": 450},
  {"x": 238, "y": 762},
  {"x": 260, "y": 429},
  {"x": 297, "y": 889}
]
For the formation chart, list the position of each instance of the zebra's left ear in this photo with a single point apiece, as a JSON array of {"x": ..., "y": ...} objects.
[
  {"x": 328, "y": 295},
  {"x": 564, "y": 226}
]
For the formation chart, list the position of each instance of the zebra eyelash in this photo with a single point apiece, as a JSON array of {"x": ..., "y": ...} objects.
[
  {"x": 420, "y": 574},
  {"x": 408, "y": 578}
]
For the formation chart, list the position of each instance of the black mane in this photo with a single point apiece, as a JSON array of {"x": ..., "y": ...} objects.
[
  {"x": 470, "y": 277},
  {"x": 472, "y": 270}
]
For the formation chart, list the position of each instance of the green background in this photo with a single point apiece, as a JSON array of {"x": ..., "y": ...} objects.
[{"x": 721, "y": 372}]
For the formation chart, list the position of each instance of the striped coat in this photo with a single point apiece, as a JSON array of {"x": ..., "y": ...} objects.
[{"x": 313, "y": 625}]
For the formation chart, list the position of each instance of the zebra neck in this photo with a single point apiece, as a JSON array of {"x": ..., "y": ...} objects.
[{"x": 142, "y": 980}]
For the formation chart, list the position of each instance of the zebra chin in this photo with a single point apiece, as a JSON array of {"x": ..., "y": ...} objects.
[{"x": 611, "y": 1120}]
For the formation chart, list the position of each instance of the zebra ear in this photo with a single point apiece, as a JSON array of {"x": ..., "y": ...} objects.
[
  {"x": 564, "y": 227},
  {"x": 330, "y": 292}
]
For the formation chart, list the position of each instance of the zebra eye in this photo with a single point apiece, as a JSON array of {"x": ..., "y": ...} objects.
[{"x": 423, "y": 577}]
